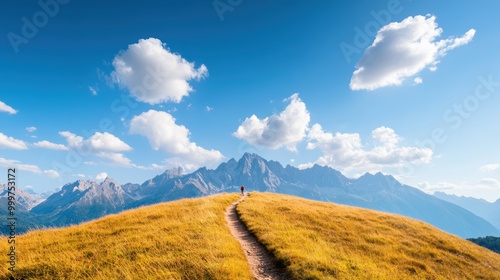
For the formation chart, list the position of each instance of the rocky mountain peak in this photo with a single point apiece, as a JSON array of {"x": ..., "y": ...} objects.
[{"x": 173, "y": 173}]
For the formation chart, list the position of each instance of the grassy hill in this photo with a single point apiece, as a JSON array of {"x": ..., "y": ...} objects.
[
  {"x": 186, "y": 239},
  {"x": 189, "y": 239},
  {"x": 327, "y": 241}
]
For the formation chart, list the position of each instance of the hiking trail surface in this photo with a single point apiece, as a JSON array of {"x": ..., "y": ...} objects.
[{"x": 262, "y": 262}]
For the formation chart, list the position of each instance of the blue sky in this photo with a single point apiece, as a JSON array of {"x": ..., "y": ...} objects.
[{"x": 408, "y": 88}]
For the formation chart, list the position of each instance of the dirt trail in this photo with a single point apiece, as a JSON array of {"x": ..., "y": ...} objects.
[{"x": 261, "y": 261}]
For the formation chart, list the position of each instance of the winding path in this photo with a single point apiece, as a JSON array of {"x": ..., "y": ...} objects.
[{"x": 261, "y": 261}]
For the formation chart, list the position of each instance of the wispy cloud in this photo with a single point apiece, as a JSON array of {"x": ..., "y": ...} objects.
[
  {"x": 489, "y": 167},
  {"x": 6, "y": 108},
  {"x": 486, "y": 188},
  {"x": 93, "y": 90},
  {"x": 51, "y": 146},
  {"x": 28, "y": 167},
  {"x": 31, "y": 129}
]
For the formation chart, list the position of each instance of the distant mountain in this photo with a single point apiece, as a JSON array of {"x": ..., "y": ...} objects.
[
  {"x": 85, "y": 200},
  {"x": 24, "y": 203},
  {"x": 484, "y": 209},
  {"x": 24, "y": 199}
]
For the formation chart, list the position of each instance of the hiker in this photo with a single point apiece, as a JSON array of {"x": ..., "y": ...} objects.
[{"x": 242, "y": 190}]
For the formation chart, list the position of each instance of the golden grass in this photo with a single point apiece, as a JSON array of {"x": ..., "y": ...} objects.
[
  {"x": 318, "y": 240},
  {"x": 186, "y": 239}
]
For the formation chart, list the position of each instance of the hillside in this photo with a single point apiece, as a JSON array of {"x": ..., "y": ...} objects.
[
  {"x": 189, "y": 239},
  {"x": 328, "y": 241},
  {"x": 186, "y": 239}
]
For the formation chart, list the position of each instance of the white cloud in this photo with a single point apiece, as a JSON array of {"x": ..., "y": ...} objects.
[
  {"x": 486, "y": 188},
  {"x": 209, "y": 108},
  {"x": 100, "y": 142},
  {"x": 101, "y": 176},
  {"x": 153, "y": 74},
  {"x": 155, "y": 166},
  {"x": 27, "y": 167},
  {"x": 164, "y": 134},
  {"x": 93, "y": 90},
  {"x": 345, "y": 151},
  {"x": 284, "y": 130},
  {"x": 104, "y": 145},
  {"x": 489, "y": 167},
  {"x": 89, "y": 163},
  {"x": 490, "y": 182},
  {"x": 51, "y": 146},
  {"x": 401, "y": 50},
  {"x": 12, "y": 143},
  {"x": 6, "y": 108},
  {"x": 118, "y": 158},
  {"x": 107, "y": 142},
  {"x": 417, "y": 81},
  {"x": 307, "y": 165},
  {"x": 51, "y": 173},
  {"x": 31, "y": 129}
]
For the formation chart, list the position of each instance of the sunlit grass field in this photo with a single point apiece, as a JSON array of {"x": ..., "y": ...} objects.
[
  {"x": 189, "y": 239},
  {"x": 327, "y": 241},
  {"x": 186, "y": 239}
]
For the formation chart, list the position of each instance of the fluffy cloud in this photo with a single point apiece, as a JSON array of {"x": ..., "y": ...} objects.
[
  {"x": 51, "y": 146},
  {"x": 401, "y": 50},
  {"x": 6, "y": 108},
  {"x": 12, "y": 143},
  {"x": 489, "y": 167},
  {"x": 104, "y": 145},
  {"x": 284, "y": 130},
  {"x": 164, "y": 134},
  {"x": 101, "y": 176},
  {"x": 345, "y": 151},
  {"x": 101, "y": 142},
  {"x": 27, "y": 167},
  {"x": 153, "y": 74}
]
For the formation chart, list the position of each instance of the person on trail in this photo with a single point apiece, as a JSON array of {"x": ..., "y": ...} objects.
[{"x": 242, "y": 190}]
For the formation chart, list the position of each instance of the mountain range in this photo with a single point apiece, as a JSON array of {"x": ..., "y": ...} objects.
[
  {"x": 490, "y": 211},
  {"x": 86, "y": 200}
]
